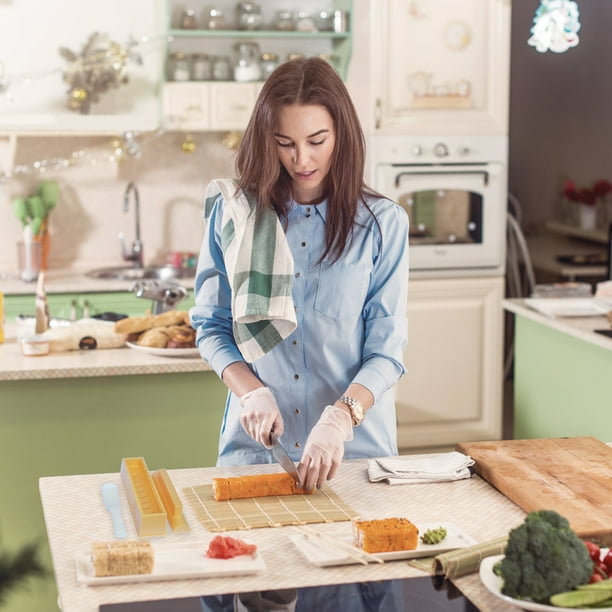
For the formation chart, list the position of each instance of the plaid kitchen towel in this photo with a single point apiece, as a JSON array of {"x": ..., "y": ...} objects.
[{"x": 260, "y": 270}]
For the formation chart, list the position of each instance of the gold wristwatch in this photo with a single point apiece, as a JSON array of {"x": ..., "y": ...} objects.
[{"x": 357, "y": 411}]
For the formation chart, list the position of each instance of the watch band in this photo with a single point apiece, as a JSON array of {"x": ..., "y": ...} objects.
[{"x": 357, "y": 411}]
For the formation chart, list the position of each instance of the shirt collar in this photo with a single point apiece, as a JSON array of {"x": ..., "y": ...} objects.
[{"x": 319, "y": 209}]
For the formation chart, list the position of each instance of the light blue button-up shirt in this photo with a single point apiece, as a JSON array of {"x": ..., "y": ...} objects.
[{"x": 352, "y": 327}]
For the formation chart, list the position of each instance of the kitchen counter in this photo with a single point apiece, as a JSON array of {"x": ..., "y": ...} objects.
[
  {"x": 562, "y": 374},
  {"x": 463, "y": 502},
  {"x": 14, "y": 365},
  {"x": 576, "y": 327}
]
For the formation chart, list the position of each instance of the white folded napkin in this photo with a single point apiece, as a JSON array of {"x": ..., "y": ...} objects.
[{"x": 415, "y": 469}]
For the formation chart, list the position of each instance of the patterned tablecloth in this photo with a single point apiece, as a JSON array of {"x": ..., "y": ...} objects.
[{"x": 75, "y": 516}]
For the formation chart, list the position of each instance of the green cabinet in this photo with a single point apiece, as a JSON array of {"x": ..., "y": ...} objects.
[
  {"x": 57, "y": 427},
  {"x": 75, "y": 306}
]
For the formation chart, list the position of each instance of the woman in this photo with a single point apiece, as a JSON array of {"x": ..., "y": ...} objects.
[{"x": 339, "y": 270}]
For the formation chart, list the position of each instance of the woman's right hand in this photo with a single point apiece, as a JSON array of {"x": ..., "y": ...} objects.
[{"x": 260, "y": 415}]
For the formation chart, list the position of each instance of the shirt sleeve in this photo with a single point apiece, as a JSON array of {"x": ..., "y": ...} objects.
[
  {"x": 211, "y": 316},
  {"x": 385, "y": 309}
]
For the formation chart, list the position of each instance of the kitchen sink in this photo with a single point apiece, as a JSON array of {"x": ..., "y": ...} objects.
[{"x": 147, "y": 273}]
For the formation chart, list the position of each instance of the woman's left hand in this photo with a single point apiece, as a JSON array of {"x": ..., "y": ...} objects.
[{"x": 325, "y": 447}]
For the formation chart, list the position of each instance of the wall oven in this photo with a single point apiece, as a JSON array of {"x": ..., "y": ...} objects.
[{"x": 454, "y": 191}]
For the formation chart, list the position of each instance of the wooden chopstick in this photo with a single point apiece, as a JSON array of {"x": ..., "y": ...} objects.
[{"x": 361, "y": 556}]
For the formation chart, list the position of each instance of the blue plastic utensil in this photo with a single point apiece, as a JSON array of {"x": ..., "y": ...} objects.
[{"x": 110, "y": 496}]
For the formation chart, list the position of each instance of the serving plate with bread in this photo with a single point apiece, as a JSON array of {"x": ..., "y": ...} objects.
[{"x": 168, "y": 334}]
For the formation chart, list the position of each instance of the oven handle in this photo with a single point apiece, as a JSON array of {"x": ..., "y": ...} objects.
[{"x": 412, "y": 173}]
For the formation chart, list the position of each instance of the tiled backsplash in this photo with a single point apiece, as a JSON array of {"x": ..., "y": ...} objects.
[{"x": 85, "y": 224}]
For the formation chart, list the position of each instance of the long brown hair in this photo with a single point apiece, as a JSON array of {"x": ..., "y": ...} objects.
[{"x": 311, "y": 81}]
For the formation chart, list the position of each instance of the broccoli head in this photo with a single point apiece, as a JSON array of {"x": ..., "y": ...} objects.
[{"x": 544, "y": 556}]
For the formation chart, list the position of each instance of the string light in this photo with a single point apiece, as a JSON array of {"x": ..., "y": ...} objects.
[{"x": 127, "y": 146}]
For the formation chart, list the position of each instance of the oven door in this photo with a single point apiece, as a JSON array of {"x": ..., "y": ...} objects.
[{"x": 457, "y": 213}]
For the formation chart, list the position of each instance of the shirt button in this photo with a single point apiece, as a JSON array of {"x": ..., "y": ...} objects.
[
  {"x": 294, "y": 342},
  {"x": 298, "y": 274},
  {"x": 296, "y": 376},
  {"x": 303, "y": 244},
  {"x": 297, "y": 445},
  {"x": 297, "y": 411},
  {"x": 308, "y": 209}
]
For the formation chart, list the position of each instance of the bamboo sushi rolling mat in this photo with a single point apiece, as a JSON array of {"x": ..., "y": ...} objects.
[{"x": 322, "y": 506}]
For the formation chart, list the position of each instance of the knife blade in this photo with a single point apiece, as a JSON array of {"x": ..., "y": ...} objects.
[{"x": 283, "y": 458}]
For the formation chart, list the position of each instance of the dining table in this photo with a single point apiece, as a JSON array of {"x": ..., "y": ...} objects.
[{"x": 75, "y": 516}]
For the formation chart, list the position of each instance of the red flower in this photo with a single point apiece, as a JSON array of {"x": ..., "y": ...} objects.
[
  {"x": 601, "y": 188},
  {"x": 586, "y": 196}
]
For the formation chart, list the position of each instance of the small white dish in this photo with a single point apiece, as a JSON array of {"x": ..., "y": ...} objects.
[
  {"x": 165, "y": 352},
  {"x": 323, "y": 554},
  {"x": 494, "y": 584}
]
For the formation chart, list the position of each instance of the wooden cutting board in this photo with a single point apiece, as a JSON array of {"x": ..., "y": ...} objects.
[{"x": 572, "y": 476}]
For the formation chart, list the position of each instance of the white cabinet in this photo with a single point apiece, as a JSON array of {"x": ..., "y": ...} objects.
[
  {"x": 208, "y": 106},
  {"x": 186, "y": 106},
  {"x": 440, "y": 67},
  {"x": 452, "y": 390}
]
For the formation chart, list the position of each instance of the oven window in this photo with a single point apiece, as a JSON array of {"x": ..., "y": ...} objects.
[{"x": 444, "y": 216}]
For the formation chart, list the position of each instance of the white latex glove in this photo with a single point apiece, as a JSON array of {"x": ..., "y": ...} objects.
[
  {"x": 325, "y": 447},
  {"x": 260, "y": 415}
]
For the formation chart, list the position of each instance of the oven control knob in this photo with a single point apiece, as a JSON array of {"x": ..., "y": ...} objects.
[
  {"x": 440, "y": 150},
  {"x": 417, "y": 150},
  {"x": 464, "y": 150}
]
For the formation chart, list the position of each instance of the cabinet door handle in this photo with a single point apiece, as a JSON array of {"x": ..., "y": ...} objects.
[
  {"x": 86, "y": 310},
  {"x": 73, "y": 311},
  {"x": 377, "y": 114}
]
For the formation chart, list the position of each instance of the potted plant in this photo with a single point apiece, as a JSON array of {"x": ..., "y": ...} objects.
[
  {"x": 16, "y": 568},
  {"x": 586, "y": 200}
]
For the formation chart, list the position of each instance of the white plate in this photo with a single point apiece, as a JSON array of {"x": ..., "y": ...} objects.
[
  {"x": 165, "y": 352},
  {"x": 174, "y": 564},
  {"x": 494, "y": 584},
  {"x": 570, "y": 307},
  {"x": 321, "y": 554}
]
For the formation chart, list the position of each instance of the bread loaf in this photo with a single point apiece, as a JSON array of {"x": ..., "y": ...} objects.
[
  {"x": 385, "y": 535},
  {"x": 122, "y": 558},
  {"x": 261, "y": 485},
  {"x": 156, "y": 337},
  {"x": 131, "y": 325}
]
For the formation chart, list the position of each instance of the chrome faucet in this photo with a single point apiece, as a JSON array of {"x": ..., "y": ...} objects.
[{"x": 135, "y": 255}]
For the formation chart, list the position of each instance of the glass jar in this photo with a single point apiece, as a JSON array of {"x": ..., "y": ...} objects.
[
  {"x": 214, "y": 19},
  {"x": 188, "y": 20},
  {"x": 284, "y": 21},
  {"x": 304, "y": 22},
  {"x": 325, "y": 21},
  {"x": 268, "y": 63},
  {"x": 179, "y": 67},
  {"x": 201, "y": 68},
  {"x": 247, "y": 66},
  {"x": 249, "y": 16},
  {"x": 221, "y": 68}
]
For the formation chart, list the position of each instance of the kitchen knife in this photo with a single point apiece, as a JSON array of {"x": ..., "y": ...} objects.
[
  {"x": 282, "y": 456},
  {"x": 110, "y": 497}
]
